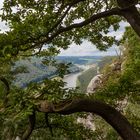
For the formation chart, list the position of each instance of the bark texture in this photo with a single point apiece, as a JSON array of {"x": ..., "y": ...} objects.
[
  {"x": 130, "y": 13},
  {"x": 108, "y": 113}
]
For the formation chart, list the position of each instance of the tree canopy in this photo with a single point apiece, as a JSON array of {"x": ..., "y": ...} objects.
[
  {"x": 38, "y": 24},
  {"x": 59, "y": 23}
]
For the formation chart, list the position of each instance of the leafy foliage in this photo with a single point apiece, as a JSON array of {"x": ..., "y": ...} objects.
[
  {"x": 35, "y": 24},
  {"x": 31, "y": 25},
  {"x": 123, "y": 85}
]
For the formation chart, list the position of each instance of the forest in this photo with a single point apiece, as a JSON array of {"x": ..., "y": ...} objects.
[
  {"x": 47, "y": 110},
  {"x": 33, "y": 69}
]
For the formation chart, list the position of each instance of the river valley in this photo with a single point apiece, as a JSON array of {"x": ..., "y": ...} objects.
[{"x": 72, "y": 78}]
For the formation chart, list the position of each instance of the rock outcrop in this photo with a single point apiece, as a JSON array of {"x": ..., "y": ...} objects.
[
  {"x": 87, "y": 122},
  {"x": 94, "y": 83}
]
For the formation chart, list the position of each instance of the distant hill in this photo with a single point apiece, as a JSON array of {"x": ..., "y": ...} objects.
[
  {"x": 105, "y": 60},
  {"x": 33, "y": 70},
  {"x": 81, "y": 60},
  {"x": 84, "y": 79}
]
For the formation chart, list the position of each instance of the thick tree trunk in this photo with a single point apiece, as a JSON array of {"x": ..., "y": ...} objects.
[
  {"x": 108, "y": 113},
  {"x": 130, "y": 13},
  {"x": 133, "y": 17}
]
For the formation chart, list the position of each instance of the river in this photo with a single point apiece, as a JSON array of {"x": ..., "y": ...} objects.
[
  {"x": 72, "y": 78},
  {"x": 71, "y": 83}
]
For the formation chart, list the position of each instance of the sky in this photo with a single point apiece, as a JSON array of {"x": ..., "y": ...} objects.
[{"x": 86, "y": 48}]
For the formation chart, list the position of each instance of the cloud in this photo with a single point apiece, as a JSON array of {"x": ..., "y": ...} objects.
[
  {"x": 1, "y": 3},
  {"x": 88, "y": 49},
  {"x": 79, "y": 50},
  {"x": 118, "y": 34},
  {"x": 3, "y": 27}
]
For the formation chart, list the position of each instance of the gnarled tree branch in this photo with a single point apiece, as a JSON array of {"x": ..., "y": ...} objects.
[{"x": 108, "y": 113}]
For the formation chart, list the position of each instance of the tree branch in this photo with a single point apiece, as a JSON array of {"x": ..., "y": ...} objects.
[
  {"x": 30, "y": 128},
  {"x": 48, "y": 124},
  {"x": 108, "y": 113},
  {"x": 131, "y": 13},
  {"x": 34, "y": 54},
  {"x": 7, "y": 89},
  {"x": 114, "y": 11},
  {"x": 74, "y": 2},
  {"x": 46, "y": 39},
  {"x": 121, "y": 11},
  {"x": 59, "y": 21},
  {"x": 6, "y": 84},
  {"x": 93, "y": 18},
  {"x": 65, "y": 13}
]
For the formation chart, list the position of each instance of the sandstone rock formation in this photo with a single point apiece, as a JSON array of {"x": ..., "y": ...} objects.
[{"x": 94, "y": 83}]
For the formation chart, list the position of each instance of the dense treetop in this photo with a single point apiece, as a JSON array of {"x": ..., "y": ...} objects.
[{"x": 59, "y": 23}]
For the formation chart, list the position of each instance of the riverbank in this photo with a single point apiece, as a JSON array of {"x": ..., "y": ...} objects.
[{"x": 71, "y": 79}]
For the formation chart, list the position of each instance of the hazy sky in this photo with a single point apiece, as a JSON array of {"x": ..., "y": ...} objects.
[
  {"x": 86, "y": 48},
  {"x": 89, "y": 49}
]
